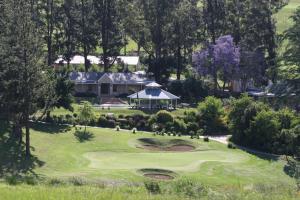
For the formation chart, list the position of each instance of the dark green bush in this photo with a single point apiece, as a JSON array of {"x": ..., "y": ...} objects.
[
  {"x": 192, "y": 126},
  {"x": 111, "y": 123},
  {"x": 231, "y": 146},
  {"x": 189, "y": 188},
  {"x": 161, "y": 120},
  {"x": 190, "y": 116},
  {"x": 206, "y": 139},
  {"x": 263, "y": 131},
  {"x": 242, "y": 112},
  {"x": 55, "y": 181},
  {"x": 30, "y": 180},
  {"x": 12, "y": 180},
  {"x": 211, "y": 113},
  {"x": 191, "y": 89},
  {"x": 102, "y": 121},
  {"x": 287, "y": 118},
  {"x": 179, "y": 126},
  {"x": 106, "y": 122},
  {"x": 77, "y": 181},
  {"x": 152, "y": 187},
  {"x": 163, "y": 117}
]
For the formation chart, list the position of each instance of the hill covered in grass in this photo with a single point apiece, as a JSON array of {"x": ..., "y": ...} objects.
[{"x": 110, "y": 158}]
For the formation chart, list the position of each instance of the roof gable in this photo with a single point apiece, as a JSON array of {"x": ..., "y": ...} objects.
[
  {"x": 114, "y": 78},
  {"x": 105, "y": 79}
]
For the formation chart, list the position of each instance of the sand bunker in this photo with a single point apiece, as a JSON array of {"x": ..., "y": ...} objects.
[
  {"x": 176, "y": 145},
  {"x": 158, "y": 174}
]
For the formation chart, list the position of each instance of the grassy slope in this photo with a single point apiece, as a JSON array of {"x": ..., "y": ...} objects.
[
  {"x": 112, "y": 156},
  {"x": 25, "y": 192}
]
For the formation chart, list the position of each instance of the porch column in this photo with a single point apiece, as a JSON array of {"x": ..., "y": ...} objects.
[
  {"x": 99, "y": 91},
  {"x": 110, "y": 89}
]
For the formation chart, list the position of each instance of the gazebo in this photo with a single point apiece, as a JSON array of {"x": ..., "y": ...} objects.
[{"x": 153, "y": 97}]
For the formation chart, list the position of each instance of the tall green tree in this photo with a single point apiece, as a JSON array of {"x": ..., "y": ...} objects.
[
  {"x": 156, "y": 16},
  {"x": 85, "y": 28},
  {"x": 214, "y": 15},
  {"x": 25, "y": 83},
  {"x": 111, "y": 41},
  {"x": 48, "y": 14},
  {"x": 185, "y": 33},
  {"x": 252, "y": 24},
  {"x": 66, "y": 26},
  {"x": 289, "y": 71},
  {"x": 292, "y": 52}
]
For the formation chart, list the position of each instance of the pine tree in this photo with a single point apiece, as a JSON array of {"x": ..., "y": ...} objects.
[
  {"x": 111, "y": 40},
  {"x": 23, "y": 78}
]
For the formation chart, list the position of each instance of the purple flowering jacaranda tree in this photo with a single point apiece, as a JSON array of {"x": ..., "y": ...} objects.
[{"x": 221, "y": 59}]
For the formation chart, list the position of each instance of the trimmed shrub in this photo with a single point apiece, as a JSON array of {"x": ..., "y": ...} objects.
[
  {"x": 111, "y": 123},
  {"x": 163, "y": 117},
  {"x": 102, "y": 121},
  {"x": 206, "y": 139}
]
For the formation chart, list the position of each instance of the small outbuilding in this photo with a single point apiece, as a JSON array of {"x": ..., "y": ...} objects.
[{"x": 154, "y": 97}]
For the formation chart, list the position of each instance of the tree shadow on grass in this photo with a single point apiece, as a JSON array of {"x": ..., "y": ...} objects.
[
  {"x": 83, "y": 136},
  {"x": 50, "y": 128},
  {"x": 13, "y": 161}
]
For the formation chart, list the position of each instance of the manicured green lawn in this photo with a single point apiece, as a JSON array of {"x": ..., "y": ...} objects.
[{"x": 113, "y": 156}]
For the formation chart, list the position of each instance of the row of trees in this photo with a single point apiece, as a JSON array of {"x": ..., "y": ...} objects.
[
  {"x": 251, "y": 51},
  {"x": 162, "y": 29},
  {"x": 167, "y": 31}
]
